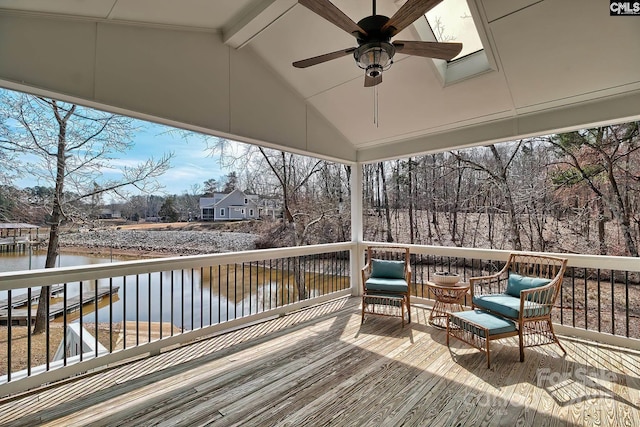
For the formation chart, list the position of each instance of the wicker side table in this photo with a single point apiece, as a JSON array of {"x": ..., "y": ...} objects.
[{"x": 448, "y": 299}]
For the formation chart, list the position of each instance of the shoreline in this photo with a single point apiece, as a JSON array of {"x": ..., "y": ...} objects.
[
  {"x": 106, "y": 252},
  {"x": 154, "y": 243}
]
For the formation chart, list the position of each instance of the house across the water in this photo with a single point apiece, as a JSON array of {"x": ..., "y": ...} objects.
[{"x": 229, "y": 206}]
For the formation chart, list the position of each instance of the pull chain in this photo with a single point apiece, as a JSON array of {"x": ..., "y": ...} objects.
[{"x": 376, "y": 120}]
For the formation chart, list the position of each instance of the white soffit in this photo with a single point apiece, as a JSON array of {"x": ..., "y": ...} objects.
[
  {"x": 549, "y": 61},
  {"x": 93, "y": 9},
  {"x": 411, "y": 102},
  {"x": 211, "y": 14},
  {"x": 556, "y": 64},
  {"x": 208, "y": 14},
  {"x": 278, "y": 47}
]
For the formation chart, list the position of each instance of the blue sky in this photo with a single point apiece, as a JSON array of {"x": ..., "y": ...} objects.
[{"x": 191, "y": 163}]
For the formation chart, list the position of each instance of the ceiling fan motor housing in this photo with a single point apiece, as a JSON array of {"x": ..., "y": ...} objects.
[{"x": 375, "y": 51}]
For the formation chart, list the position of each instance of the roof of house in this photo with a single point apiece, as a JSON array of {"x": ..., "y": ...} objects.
[{"x": 16, "y": 225}]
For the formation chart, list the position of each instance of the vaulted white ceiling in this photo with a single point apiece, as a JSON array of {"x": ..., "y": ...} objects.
[{"x": 224, "y": 67}]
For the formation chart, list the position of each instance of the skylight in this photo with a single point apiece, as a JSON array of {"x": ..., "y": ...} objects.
[{"x": 451, "y": 21}]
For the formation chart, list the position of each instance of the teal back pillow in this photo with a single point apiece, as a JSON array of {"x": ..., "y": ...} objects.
[
  {"x": 387, "y": 269},
  {"x": 519, "y": 283}
]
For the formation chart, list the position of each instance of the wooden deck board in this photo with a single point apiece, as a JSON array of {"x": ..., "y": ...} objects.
[
  {"x": 311, "y": 378},
  {"x": 322, "y": 367}
]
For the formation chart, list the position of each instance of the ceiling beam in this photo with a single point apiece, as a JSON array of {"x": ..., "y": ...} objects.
[{"x": 256, "y": 19}]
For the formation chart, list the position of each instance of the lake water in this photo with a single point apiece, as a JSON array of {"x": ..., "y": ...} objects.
[
  {"x": 12, "y": 261},
  {"x": 183, "y": 297}
]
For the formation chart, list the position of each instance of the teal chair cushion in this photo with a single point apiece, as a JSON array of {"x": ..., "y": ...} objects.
[
  {"x": 387, "y": 268},
  {"x": 509, "y": 306},
  {"x": 503, "y": 304},
  {"x": 494, "y": 324},
  {"x": 519, "y": 283},
  {"x": 386, "y": 285}
]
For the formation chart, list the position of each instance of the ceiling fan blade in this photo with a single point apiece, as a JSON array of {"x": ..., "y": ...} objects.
[
  {"x": 331, "y": 13},
  {"x": 372, "y": 81},
  {"x": 304, "y": 63},
  {"x": 407, "y": 14},
  {"x": 438, "y": 50}
]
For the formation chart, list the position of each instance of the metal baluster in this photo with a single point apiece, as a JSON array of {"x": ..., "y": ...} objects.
[
  {"x": 124, "y": 312},
  {"x": 573, "y": 298},
  {"x": 28, "y": 330},
  {"x": 110, "y": 314},
  {"x": 220, "y": 294},
  {"x": 242, "y": 284},
  {"x": 235, "y": 291},
  {"x": 251, "y": 291},
  {"x": 81, "y": 320},
  {"x": 161, "y": 302},
  {"x": 211, "y": 295},
  {"x": 336, "y": 276},
  {"x": 47, "y": 327},
  {"x": 288, "y": 280},
  {"x": 228, "y": 296},
  {"x": 586, "y": 308},
  {"x": 270, "y": 284},
  {"x": 149, "y": 308},
  {"x": 562, "y": 302},
  {"x": 182, "y": 301},
  {"x": 201, "y": 298},
  {"x": 192, "y": 300},
  {"x": 137, "y": 310},
  {"x": 172, "y": 304},
  {"x": 64, "y": 324},
  {"x": 599, "y": 302},
  {"x": 613, "y": 305},
  {"x": 96, "y": 317},
  {"x": 626, "y": 290},
  {"x": 9, "y": 332}
]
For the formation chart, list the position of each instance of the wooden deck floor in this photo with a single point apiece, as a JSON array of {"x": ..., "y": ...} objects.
[{"x": 321, "y": 367}]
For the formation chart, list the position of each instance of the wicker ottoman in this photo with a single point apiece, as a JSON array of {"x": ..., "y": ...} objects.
[
  {"x": 385, "y": 305},
  {"x": 478, "y": 328}
]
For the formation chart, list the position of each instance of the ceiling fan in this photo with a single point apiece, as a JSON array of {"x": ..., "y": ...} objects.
[{"x": 375, "y": 50}]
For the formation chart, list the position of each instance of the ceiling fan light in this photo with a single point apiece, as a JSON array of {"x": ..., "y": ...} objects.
[
  {"x": 374, "y": 71},
  {"x": 375, "y": 55}
]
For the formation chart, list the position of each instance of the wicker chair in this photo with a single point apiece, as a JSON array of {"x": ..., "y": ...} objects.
[
  {"x": 524, "y": 291},
  {"x": 386, "y": 280}
]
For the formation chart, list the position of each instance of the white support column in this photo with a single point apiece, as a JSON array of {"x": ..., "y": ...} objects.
[{"x": 357, "y": 261}]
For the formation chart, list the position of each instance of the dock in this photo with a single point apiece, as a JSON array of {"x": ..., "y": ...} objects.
[
  {"x": 20, "y": 314},
  {"x": 15, "y": 244},
  {"x": 20, "y": 300},
  {"x": 18, "y": 237}
]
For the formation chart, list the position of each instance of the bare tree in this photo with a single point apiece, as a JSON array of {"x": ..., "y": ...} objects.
[
  {"x": 70, "y": 146},
  {"x": 385, "y": 201},
  {"x": 601, "y": 158},
  {"x": 498, "y": 173}
]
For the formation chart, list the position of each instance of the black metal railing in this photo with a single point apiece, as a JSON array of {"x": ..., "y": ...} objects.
[
  {"x": 116, "y": 312},
  {"x": 600, "y": 300}
]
